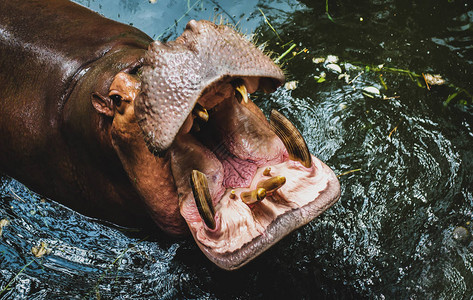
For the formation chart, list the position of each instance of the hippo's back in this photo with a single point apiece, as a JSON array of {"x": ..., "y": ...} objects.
[
  {"x": 43, "y": 44},
  {"x": 45, "y": 47}
]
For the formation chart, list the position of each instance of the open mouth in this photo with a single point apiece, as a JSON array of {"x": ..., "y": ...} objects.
[{"x": 243, "y": 183}]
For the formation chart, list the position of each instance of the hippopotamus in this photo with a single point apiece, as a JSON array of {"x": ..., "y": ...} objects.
[{"x": 98, "y": 116}]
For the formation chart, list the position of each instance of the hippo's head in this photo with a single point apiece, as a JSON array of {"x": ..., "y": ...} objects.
[{"x": 199, "y": 151}]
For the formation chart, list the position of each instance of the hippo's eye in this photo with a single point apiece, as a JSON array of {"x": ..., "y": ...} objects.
[{"x": 117, "y": 99}]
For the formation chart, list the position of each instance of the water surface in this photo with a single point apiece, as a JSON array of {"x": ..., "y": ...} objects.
[{"x": 405, "y": 158}]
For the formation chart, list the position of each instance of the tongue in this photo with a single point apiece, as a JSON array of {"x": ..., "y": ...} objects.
[{"x": 238, "y": 172}]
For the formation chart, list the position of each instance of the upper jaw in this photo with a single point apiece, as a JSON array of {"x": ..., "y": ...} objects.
[{"x": 176, "y": 74}]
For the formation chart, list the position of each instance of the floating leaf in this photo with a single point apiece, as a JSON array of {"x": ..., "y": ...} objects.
[
  {"x": 419, "y": 84},
  {"x": 318, "y": 60},
  {"x": 392, "y": 131},
  {"x": 291, "y": 85},
  {"x": 321, "y": 77},
  {"x": 3, "y": 223},
  {"x": 382, "y": 81},
  {"x": 434, "y": 79},
  {"x": 334, "y": 67},
  {"x": 40, "y": 250},
  {"x": 390, "y": 98},
  {"x": 344, "y": 76},
  {"x": 332, "y": 59},
  {"x": 372, "y": 90},
  {"x": 285, "y": 53},
  {"x": 348, "y": 172}
]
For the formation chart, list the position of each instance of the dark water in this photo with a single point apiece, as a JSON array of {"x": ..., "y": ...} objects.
[{"x": 411, "y": 157}]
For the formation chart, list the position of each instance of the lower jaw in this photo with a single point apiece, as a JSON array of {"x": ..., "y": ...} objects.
[
  {"x": 228, "y": 178},
  {"x": 244, "y": 232}
]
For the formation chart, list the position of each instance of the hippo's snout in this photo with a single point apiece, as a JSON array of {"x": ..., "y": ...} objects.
[
  {"x": 242, "y": 183},
  {"x": 176, "y": 74}
]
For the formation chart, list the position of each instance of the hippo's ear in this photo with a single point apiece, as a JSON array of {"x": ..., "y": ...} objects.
[{"x": 103, "y": 105}]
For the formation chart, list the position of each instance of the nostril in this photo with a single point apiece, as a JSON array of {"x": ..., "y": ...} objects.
[{"x": 193, "y": 26}]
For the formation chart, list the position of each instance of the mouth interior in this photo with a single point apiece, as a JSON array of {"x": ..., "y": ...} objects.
[
  {"x": 234, "y": 149},
  {"x": 240, "y": 139},
  {"x": 229, "y": 147}
]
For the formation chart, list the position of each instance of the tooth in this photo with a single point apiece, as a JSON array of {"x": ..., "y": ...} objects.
[
  {"x": 201, "y": 192},
  {"x": 254, "y": 196},
  {"x": 267, "y": 171},
  {"x": 200, "y": 113},
  {"x": 291, "y": 138},
  {"x": 272, "y": 184},
  {"x": 241, "y": 88}
]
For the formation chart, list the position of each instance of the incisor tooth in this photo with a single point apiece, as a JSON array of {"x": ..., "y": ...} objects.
[
  {"x": 291, "y": 138},
  {"x": 200, "y": 113},
  {"x": 253, "y": 196},
  {"x": 267, "y": 171},
  {"x": 200, "y": 189},
  {"x": 241, "y": 88},
  {"x": 272, "y": 184}
]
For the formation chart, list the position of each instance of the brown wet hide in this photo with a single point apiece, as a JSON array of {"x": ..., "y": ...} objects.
[
  {"x": 53, "y": 56},
  {"x": 84, "y": 100},
  {"x": 149, "y": 175}
]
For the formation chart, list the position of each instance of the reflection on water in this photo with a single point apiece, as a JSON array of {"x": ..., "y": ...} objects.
[{"x": 410, "y": 154}]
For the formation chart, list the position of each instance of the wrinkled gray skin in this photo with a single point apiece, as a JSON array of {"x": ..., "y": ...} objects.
[{"x": 177, "y": 73}]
